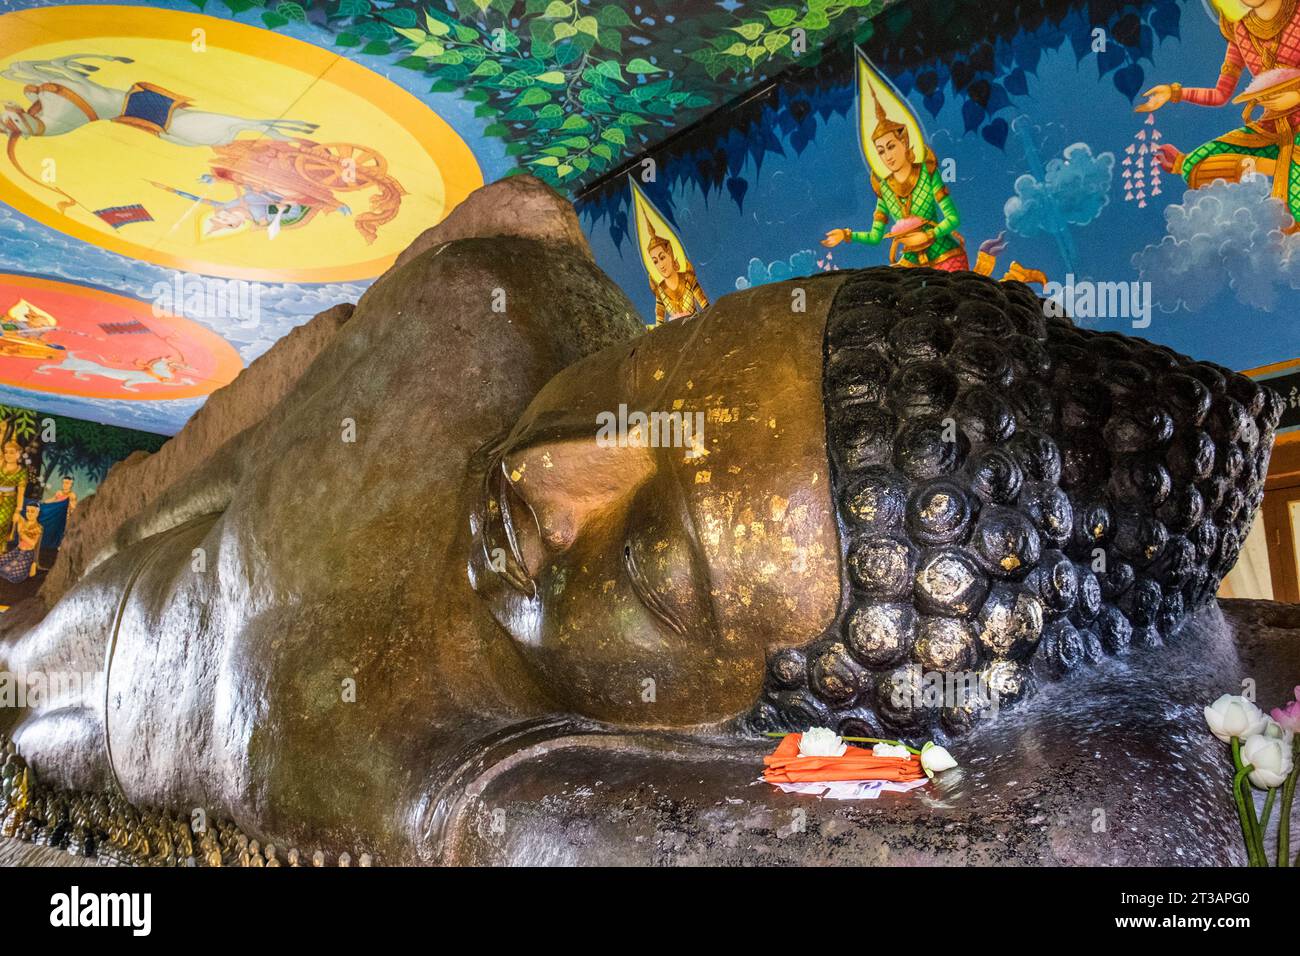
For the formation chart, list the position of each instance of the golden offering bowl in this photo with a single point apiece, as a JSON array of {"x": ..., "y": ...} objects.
[{"x": 916, "y": 241}]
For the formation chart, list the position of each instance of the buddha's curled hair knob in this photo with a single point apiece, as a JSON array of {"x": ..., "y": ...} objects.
[{"x": 1016, "y": 499}]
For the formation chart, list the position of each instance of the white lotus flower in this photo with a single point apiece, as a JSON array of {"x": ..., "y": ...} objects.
[
  {"x": 935, "y": 759},
  {"x": 821, "y": 742},
  {"x": 1234, "y": 716},
  {"x": 1275, "y": 730},
  {"x": 1271, "y": 758},
  {"x": 891, "y": 750}
]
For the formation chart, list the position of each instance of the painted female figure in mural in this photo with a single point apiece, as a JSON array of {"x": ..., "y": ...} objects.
[
  {"x": 678, "y": 293},
  {"x": 13, "y": 487},
  {"x": 1265, "y": 39},
  {"x": 913, "y": 195},
  {"x": 909, "y": 190},
  {"x": 20, "y": 563}
]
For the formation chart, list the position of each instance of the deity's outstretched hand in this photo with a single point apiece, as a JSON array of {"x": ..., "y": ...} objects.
[{"x": 1156, "y": 97}]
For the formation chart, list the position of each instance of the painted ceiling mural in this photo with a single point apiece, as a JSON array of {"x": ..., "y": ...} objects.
[
  {"x": 184, "y": 181},
  {"x": 1089, "y": 140}
]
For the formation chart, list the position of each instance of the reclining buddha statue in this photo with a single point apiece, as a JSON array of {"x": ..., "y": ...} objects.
[{"x": 502, "y": 578}]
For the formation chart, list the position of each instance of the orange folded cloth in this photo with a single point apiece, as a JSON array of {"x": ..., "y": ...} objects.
[{"x": 784, "y": 765}]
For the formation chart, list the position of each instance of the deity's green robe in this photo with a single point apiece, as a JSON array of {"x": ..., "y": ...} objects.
[{"x": 926, "y": 197}]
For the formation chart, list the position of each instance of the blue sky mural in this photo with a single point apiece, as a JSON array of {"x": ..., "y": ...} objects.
[
  {"x": 1031, "y": 120},
  {"x": 1049, "y": 177}
]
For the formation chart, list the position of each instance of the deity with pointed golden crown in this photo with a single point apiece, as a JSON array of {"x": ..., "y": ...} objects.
[
  {"x": 678, "y": 293},
  {"x": 913, "y": 196}
]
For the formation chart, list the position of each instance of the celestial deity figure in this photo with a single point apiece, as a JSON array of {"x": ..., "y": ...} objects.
[
  {"x": 1265, "y": 40},
  {"x": 24, "y": 317},
  {"x": 260, "y": 210},
  {"x": 909, "y": 190},
  {"x": 13, "y": 487},
  {"x": 281, "y": 185},
  {"x": 678, "y": 293},
  {"x": 21, "y": 563}
]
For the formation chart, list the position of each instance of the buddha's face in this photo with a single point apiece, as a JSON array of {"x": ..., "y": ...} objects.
[
  {"x": 661, "y": 525},
  {"x": 893, "y": 152},
  {"x": 664, "y": 261},
  {"x": 644, "y": 573}
]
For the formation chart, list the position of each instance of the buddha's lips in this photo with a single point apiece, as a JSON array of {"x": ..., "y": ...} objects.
[{"x": 1016, "y": 499}]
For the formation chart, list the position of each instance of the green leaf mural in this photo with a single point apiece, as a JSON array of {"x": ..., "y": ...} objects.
[{"x": 542, "y": 69}]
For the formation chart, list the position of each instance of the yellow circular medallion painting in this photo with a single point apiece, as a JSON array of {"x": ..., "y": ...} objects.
[{"x": 205, "y": 145}]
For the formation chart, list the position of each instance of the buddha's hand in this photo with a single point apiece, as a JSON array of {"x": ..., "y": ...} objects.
[
  {"x": 836, "y": 236},
  {"x": 1156, "y": 97}
]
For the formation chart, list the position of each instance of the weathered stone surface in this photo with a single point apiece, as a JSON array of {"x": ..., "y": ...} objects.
[
  {"x": 135, "y": 483},
  {"x": 1116, "y": 770},
  {"x": 1064, "y": 480},
  {"x": 519, "y": 206},
  {"x": 325, "y": 561}
]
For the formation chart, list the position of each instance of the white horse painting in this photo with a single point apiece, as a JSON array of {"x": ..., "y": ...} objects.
[
  {"x": 159, "y": 371},
  {"x": 63, "y": 98}
]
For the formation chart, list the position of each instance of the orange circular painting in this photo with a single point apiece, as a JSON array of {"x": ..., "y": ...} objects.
[{"x": 73, "y": 340}]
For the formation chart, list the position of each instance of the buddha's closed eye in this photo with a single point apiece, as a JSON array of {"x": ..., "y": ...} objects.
[
  {"x": 646, "y": 592},
  {"x": 511, "y": 539}
]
